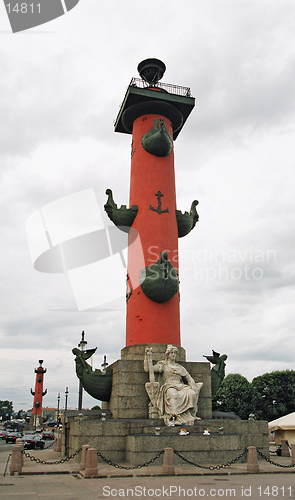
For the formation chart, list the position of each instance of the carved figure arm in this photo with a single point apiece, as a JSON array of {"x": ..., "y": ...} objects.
[
  {"x": 148, "y": 359},
  {"x": 148, "y": 364}
]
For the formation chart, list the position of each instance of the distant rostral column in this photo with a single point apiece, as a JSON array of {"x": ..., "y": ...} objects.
[
  {"x": 38, "y": 394},
  {"x": 154, "y": 113}
]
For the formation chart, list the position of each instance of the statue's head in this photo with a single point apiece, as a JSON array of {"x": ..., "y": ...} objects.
[{"x": 170, "y": 348}]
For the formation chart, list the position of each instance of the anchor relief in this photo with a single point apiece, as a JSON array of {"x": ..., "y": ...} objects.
[{"x": 158, "y": 209}]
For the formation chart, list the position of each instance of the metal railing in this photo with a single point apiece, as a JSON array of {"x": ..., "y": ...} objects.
[{"x": 168, "y": 87}]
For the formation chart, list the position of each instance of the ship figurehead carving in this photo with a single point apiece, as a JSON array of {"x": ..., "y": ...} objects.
[
  {"x": 157, "y": 141},
  {"x": 97, "y": 383},
  {"x": 159, "y": 281}
]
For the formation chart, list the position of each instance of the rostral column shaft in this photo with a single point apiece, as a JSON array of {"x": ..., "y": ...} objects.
[
  {"x": 147, "y": 320},
  {"x": 38, "y": 393},
  {"x": 154, "y": 116}
]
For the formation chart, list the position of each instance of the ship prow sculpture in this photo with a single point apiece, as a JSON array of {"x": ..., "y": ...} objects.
[{"x": 97, "y": 383}]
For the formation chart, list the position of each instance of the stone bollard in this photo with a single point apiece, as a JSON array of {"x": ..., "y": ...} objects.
[
  {"x": 20, "y": 442},
  {"x": 57, "y": 444},
  {"x": 83, "y": 456},
  {"x": 252, "y": 464},
  {"x": 293, "y": 454},
  {"x": 168, "y": 466},
  {"x": 91, "y": 463},
  {"x": 16, "y": 463},
  {"x": 285, "y": 448}
]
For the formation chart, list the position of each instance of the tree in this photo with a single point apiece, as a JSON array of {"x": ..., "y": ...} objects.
[
  {"x": 235, "y": 394},
  {"x": 274, "y": 394},
  {"x": 20, "y": 414},
  {"x": 6, "y": 410}
]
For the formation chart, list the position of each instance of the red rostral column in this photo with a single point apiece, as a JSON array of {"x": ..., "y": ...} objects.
[
  {"x": 38, "y": 393},
  {"x": 154, "y": 113}
]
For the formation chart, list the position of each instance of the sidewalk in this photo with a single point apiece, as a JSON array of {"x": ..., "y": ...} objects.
[
  {"x": 63, "y": 481},
  {"x": 31, "y": 467}
]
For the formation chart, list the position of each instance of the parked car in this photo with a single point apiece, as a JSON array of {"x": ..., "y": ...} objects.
[
  {"x": 33, "y": 441},
  {"x": 3, "y": 433},
  {"x": 11, "y": 437},
  {"x": 48, "y": 435}
]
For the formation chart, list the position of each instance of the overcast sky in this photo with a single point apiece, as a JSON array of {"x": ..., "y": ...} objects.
[{"x": 60, "y": 90}]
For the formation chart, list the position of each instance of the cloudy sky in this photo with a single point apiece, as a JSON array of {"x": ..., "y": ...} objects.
[{"x": 60, "y": 90}]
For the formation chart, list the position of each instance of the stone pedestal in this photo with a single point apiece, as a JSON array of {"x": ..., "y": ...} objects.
[
  {"x": 252, "y": 464},
  {"x": 129, "y": 436},
  {"x": 136, "y": 352},
  {"x": 83, "y": 456},
  {"x": 129, "y": 398},
  {"x": 57, "y": 444},
  {"x": 16, "y": 460},
  {"x": 91, "y": 463},
  {"x": 168, "y": 465},
  {"x": 36, "y": 421},
  {"x": 135, "y": 441}
]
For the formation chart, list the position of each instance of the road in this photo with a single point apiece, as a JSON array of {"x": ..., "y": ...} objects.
[{"x": 7, "y": 447}]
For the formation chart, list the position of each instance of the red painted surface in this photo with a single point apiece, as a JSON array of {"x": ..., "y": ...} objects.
[
  {"x": 149, "y": 321},
  {"x": 38, "y": 389}
]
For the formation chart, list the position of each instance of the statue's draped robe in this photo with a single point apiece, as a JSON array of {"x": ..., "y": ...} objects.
[{"x": 175, "y": 397}]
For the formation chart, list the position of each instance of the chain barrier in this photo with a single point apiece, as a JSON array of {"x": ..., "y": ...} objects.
[
  {"x": 152, "y": 460},
  {"x": 274, "y": 463},
  {"x": 117, "y": 466},
  {"x": 212, "y": 467},
  {"x": 56, "y": 462}
]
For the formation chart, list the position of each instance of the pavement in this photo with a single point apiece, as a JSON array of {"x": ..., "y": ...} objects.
[{"x": 63, "y": 481}]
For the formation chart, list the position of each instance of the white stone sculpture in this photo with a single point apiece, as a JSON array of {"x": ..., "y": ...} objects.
[{"x": 175, "y": 395}]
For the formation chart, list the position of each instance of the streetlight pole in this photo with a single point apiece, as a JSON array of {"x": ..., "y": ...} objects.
[
  {"x": 58, "y": 400},
  {"x": 66, "y": 394},
  {"x": 82, "y": 346}
]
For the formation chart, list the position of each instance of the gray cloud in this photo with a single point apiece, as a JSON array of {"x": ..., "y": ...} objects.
[{"x": 59, "y": 95}]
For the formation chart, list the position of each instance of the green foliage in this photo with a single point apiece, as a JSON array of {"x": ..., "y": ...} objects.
[
  {"x": 6, "y": 407},
  {"x": 22, "y": 414},
  {"x": 268, "y": 396},
  {"x": 234, "y": 394},
  {"x": 274, "y": 394},
  {"x": 96, "y": 407}
]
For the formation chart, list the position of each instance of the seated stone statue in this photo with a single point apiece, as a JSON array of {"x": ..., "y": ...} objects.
[{"x": 176, "y": 395}]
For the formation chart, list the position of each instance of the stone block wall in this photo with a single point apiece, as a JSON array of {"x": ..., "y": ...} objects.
[
  {"x": 224, "y": 444},
  {"x": 129, "y": 398},
  {"x": 134, "y": 441},
  {"x": 200, "y": 371}
]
